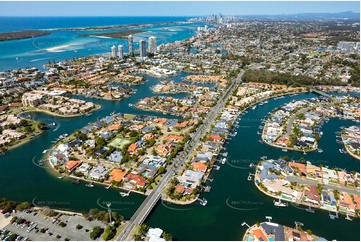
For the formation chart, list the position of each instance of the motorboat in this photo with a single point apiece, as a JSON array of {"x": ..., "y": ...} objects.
[{"x": 279, "y": 203}]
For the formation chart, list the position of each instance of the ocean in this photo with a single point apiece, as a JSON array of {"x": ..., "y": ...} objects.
[{"x": 64, "y": 44}]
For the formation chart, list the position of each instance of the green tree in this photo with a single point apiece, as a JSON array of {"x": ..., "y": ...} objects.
[
  {"x": 167, "y": 236},
  {"x": 23, "y": 206},
  {"x": 109, "y": 233},
  {"x": 97, "y": 231}
]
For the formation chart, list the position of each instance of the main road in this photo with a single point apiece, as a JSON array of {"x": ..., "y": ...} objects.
[{"x": 146, "y": 207}]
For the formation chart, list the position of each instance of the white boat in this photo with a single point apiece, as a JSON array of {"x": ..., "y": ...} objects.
[
  {"x": 90, "y": 184},
  {"x": 215, "y": 167},
  {"x": 254, "y": 107},
  {"x": 319, "y": 150},
  {"x": 223, "y": 161},
  {"x": 44, "y": 151},
  {"x": 279, "y": 203},
  {"x": 284, "y": 150},
  {"x": 310, "y": 210},
  {"x": 203, "y": 202},
  {"x": 124, "y": 194}
]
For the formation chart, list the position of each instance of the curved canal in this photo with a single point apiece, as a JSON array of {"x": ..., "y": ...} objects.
[{"x": 232, "y": 199}]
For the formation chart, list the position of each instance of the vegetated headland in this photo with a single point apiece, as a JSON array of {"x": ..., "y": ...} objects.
[{"x": 22, "y": 34}]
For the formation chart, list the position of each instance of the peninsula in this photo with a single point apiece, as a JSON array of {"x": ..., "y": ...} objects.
[{"x": 22, "y": 34}]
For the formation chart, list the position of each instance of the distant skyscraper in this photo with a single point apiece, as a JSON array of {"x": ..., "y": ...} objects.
[
  {"x": 114, "y": 51},
  {"x": 152, "y": 44},
  {"x": 121, "y": 51},
  {"x": 130, "y": 44},
  {"x": 142, "y": 48}
]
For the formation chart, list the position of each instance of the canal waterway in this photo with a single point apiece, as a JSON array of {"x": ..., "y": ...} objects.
[{"x": 232, "y": 200}]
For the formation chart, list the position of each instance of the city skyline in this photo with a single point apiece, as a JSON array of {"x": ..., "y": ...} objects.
[{"x": 166, "y": 8}]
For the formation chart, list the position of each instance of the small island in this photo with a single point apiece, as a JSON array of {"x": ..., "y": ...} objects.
[{"x": 22, "y": 34}]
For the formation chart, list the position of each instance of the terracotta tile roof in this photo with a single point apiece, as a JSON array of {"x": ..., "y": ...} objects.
[
  {"x": 138, "y": 179},
  {"x": 117, "y": 175},
  {"x": 179, "y": 189},
  {"x": 258, "y": 233},
  {"x": 72, "y": 164},
  {"x": 199, "y": 166}
]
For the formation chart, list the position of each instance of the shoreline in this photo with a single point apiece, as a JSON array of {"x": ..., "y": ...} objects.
[
  {"x": 24, "y": 141},
  {"x": 297, "y": 203},
  {"x": 97, "y": 107},
  {"x": 348, "y": 150},
  {"x": 27, "y": 139}
]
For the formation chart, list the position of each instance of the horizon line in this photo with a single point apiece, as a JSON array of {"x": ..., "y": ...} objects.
[{"x": 255, "y": 14}]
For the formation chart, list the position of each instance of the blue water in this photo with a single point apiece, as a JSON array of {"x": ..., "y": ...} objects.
[{"x": 69, "y": 44}]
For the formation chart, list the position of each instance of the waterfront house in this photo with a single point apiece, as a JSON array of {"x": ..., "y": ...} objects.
[
  {"x": 191, "y": 178},
  {"x": 276, "y": 231},
  {"x": 117, "y": 175},
  {"x": 346, "y": 204},
  {"x": 135, "y": 180},
  {"x": 199, "y": 166},
  {"x": 155, "y": 235},
  {"x": 215, "y": 138},
  {"x": 84, "y": 168},
  {"x": 329, "y": 175},
  {"x": 298, "y": 168},
  {"x": 313, "y": 172},
  {"x": 258, "y": 235},
  {"x": 75, "y": 143},
  {"x": 278, "y": 185},
  {"x": 179, "y": 189},
  {"x": 72, "y": 164},
  {"x": 311, "y": 195},
  {"x": 99, "y": 172}
]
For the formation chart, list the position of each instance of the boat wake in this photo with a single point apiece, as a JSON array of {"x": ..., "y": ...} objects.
[{"x": 41, "y": 59}]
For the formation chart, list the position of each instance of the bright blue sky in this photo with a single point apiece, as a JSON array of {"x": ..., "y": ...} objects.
[{"x": 170, "y": 8}]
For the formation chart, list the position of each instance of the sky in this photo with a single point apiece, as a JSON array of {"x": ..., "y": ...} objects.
[{"x": 172, "y": 8}]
